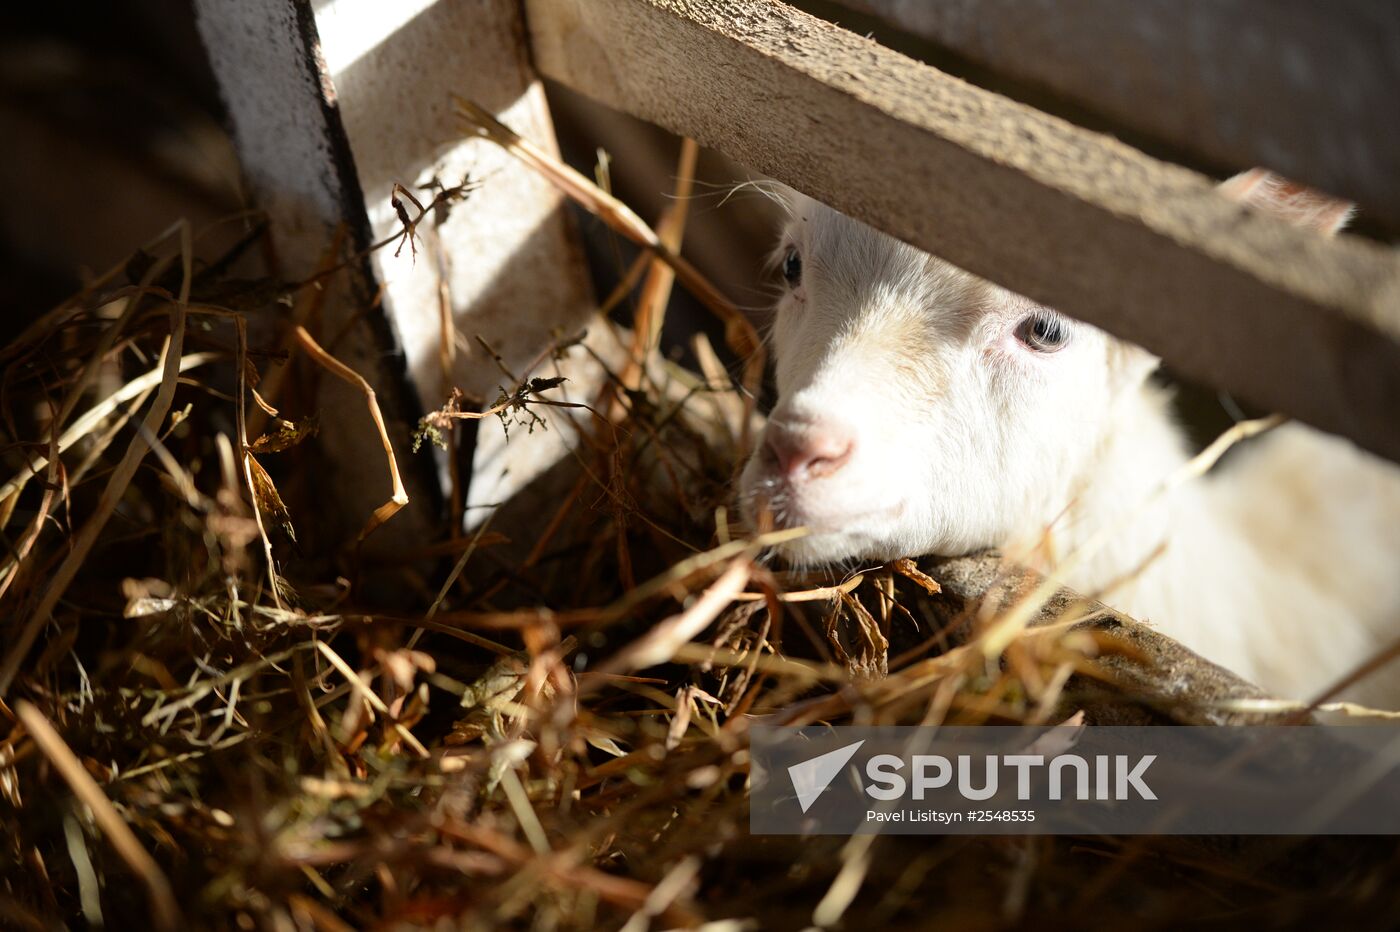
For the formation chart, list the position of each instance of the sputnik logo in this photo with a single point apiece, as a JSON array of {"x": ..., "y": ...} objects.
[{"x": 811, "y": 777}]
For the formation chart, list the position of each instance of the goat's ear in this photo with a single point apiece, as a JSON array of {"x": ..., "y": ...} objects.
[
  {"x": 1298, "y": 205},
  {"x": 1129, "y": 365}
]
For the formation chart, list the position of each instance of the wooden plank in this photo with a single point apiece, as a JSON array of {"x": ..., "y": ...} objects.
[
  {"x": 1148, "y": 678},
  {"x": 332, "y": 103},
  {"x": 1306, "y": 88},
  {"x": 507, "y": 256},
  {"x": 1149, "y": 251},
  {"x": 299, "y": 169}
]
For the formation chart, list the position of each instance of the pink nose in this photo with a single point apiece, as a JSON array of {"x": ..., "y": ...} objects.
[{"x": 807, "y": 450}]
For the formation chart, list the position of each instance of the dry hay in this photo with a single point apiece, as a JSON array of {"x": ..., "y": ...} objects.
[{"x": 210, "y": 720}]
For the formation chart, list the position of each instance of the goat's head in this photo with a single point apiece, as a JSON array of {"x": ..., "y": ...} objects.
[{"x": 922, "y": 409}]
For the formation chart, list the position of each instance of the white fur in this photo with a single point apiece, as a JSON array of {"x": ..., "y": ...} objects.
[{"x": 1280, "y": 565}]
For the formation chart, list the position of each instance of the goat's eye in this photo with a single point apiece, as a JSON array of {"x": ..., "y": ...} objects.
[
  {"x": 1042, "y": 332},
  {"x": 792, "y": 267}
]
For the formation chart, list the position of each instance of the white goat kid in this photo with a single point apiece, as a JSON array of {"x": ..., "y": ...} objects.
[{"x": 924, "y": 410}]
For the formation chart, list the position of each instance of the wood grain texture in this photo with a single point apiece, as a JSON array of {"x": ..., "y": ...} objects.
[
  {"x": 1306, "y": 88},
  {"x": 332, "y": 104},
  {"x": 507, "y": 258},
  {"x": 1149, "y": 679},
  {"x": 1073, "y": 219},
  {"x": 299, "y": 169}
]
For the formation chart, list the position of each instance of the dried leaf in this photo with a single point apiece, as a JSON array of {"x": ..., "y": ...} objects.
[
  {"x": 146, "y": 606},
  {"x": 501, "y": 683},
  {"x": 268, "y": 500},
  {"x": 545, "y": 384},
  {"x": 871, "y": 658},
  {"x": 680, "y": 722},
  {"x": 910, "y": 570},
  {"x": 604, "y": 743},
  {"x": 284, "y": 435}
]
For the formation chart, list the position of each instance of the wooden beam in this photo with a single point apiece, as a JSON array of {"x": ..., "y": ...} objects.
[
  {"x": 507, "y": 258},
  {"x": 1147, "y": 250},
  {"x": 332, "y": 105},
  {"x": 1302, "y": 87},
  {"x": 1149, "y": 678},
  {"x": 299, "y": 168}
]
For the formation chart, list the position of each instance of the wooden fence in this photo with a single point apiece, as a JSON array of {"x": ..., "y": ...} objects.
[{"x": 1073, "y": 218}]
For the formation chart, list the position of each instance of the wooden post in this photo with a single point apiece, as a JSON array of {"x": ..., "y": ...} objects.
[{"x": 333, "y": 102}]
